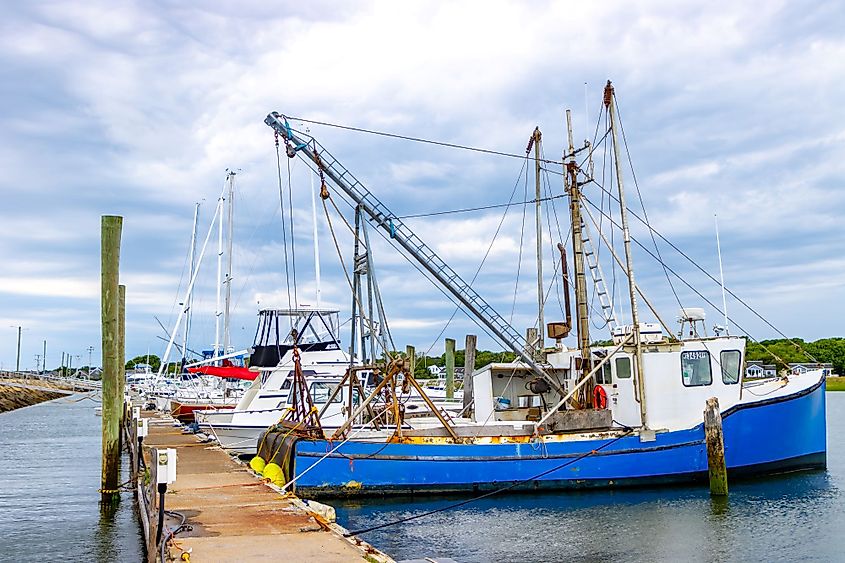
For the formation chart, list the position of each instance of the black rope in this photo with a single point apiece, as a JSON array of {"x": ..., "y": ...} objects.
[{"x": 493, "y": 492}]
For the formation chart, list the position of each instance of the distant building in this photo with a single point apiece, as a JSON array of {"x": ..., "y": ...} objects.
[
  {"x": 755, "y": 369},
  {"x": 799, "y": 368},
  {"x": 436, "y": 371}
]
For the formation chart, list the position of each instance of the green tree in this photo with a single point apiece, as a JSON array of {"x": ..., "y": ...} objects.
[{"x": 154, "y": 361}]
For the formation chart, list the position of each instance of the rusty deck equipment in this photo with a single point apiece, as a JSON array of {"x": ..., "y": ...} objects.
[{"x": 230, "y": 514}]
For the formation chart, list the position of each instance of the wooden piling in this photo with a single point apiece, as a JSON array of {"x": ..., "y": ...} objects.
[
  {"x": 121, "y": 355},
  {"x": 411, "y": 354},
  {"x": 469, "y": 367},
  {"x": 715, "y": 448},
  {"x": 531, "y": 341},
  {"x": 111, "y": 227},
  {"x": 450, "y": 368}
]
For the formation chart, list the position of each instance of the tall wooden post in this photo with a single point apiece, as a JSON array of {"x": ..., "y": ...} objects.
[
  {"x": 450, "y": 368},
  {"x": 121, "y": 355},
  {"x": 715, "y": 448},
  {"x": 469, "y": 367},
  {"x": 411, "y": 352},
  {"x": 111, "y": 228}
]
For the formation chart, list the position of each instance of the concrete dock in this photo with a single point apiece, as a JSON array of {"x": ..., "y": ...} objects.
[{"x": 232, "y": 515}]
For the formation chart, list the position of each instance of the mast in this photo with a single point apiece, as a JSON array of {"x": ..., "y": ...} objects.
[
  {"x": 226, "y": 318},
  {"x": 190, "y": 300},
  {"x": 217, "y": 312},
  {"x": 583, "y": 320},
  {"x": 538, "y": 346},
  {"x": 610, "y": 104},
  {"x": 721, "y": 274}
]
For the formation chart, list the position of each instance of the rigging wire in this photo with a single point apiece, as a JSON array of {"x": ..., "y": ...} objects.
[
  {"x": 284, "y": 228},
  {"x": 482, "y": 208},
  {"x": 642, "y": 204},
  {"x": 691, "y": 287},
  {"x": 521, "y": 242},
  {"x": 292, "y": 237},
  {"x": 415, "y": 139}
]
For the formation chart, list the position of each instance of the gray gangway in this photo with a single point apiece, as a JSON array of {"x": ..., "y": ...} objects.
[{"x": 407, "y": 239}]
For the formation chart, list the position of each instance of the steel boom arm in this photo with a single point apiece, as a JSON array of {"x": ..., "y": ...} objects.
[{"x": 405, "y": 237}]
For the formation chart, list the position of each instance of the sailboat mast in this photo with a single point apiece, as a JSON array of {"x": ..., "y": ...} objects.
[
  {"x": 538, "y": 346},
  {"x": 230, "y": 235},
  {"x": 217, "y": 310},
  {"x": 190, "y": 299},
  {"x": 610, "y": 104},
  {"x": 574, "y": 190}
]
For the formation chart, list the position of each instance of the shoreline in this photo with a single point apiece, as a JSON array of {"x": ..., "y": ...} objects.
[{"x": 20, "y": 393}]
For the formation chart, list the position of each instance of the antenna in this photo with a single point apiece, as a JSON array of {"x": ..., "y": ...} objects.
[
  {"x": 721, "y": 274},
  {"x": 316, "y": 239}
]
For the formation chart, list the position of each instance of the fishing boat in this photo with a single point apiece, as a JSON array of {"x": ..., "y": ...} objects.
[{"x": 627, "y": 412}]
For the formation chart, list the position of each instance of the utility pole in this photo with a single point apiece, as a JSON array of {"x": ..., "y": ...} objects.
[
  {"x": 38, "y": 363},
  {"x": 44, "y": 365},
  {"x": 90, "y": 352},
  {"x": 18, "y": 361}
]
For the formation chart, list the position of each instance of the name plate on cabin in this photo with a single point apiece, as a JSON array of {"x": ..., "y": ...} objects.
[{"x": 575, "y": 420}]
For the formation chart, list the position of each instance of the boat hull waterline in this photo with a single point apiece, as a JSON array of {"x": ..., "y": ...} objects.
[{"x": 783, "y": 434}]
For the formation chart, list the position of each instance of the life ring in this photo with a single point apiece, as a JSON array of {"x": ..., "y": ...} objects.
[{"x": 599, "y": 397}]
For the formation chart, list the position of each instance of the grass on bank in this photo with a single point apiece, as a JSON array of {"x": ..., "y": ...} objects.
[{"x": 836, "y": 383}]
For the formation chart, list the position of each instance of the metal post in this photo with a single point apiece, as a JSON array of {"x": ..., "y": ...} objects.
[
  {"x": 44, "y": 356},
  {"x": 450, "y": 368},
  {"x": 110, "y": 299}
]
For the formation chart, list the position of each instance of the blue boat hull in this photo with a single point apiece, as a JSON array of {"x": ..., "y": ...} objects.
[{"x": 783, "y": 434}]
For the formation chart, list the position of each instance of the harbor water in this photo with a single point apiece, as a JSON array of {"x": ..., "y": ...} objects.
[
  {"x": 794, "y": 517},
  {"x": 50, "y": 471},
  {"x": 49, "y": 481}
]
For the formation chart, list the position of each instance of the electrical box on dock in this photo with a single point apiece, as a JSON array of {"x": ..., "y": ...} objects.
[
  {"x": 165, "y": 460},
  {"x": 136, "y": 413},
  {"x": 142, "y": 427}
]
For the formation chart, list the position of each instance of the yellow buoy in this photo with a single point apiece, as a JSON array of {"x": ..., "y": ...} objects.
[
  {"x": 273, "y": 472},
  {"x": 258, "y": 464}
]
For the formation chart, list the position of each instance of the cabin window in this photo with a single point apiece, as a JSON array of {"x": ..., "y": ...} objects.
[
  {"x": 730, "y": 360},
  {"x": 695, "y": 368},
  {"x": 320, "y": 391},
  {"x": 286, "y": 385},
  {"x": 603, "y": 376},
  {"x": 623, "y": 368}
]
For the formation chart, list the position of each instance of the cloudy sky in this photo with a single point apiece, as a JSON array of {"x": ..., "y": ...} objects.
[{"x": 138, "y": 109}]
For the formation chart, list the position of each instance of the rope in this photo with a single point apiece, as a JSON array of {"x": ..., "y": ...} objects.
[{"x": 491, "y": 493}]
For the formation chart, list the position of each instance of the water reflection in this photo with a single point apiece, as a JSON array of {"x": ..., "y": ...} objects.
[
  {"x": 760, "y": 520},
  {"x": 49, "y": 481}
]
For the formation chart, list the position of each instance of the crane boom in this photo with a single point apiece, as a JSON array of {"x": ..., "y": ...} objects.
[{"x": 408, "y": 240}]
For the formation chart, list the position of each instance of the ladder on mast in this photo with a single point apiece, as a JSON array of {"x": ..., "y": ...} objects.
[
  {"x": 408, "y": 240},
  {"x": 598, "y": 278}
]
